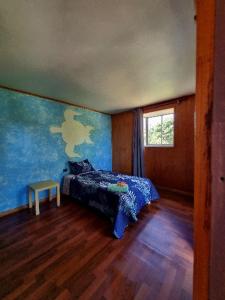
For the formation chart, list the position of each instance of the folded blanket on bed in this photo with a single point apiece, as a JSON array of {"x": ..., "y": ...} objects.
[{"x": 116, "y": 188}]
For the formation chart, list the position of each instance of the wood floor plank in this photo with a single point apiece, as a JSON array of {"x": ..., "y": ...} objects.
[{"x": 69, "y": 253}]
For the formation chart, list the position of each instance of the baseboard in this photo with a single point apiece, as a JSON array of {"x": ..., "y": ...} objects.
[
  {"x": 23, "y": 207},
  {"x": 166, "y": 189},
  {"x": 20, "y": 208},
  {"x": 13, "y": 211}
]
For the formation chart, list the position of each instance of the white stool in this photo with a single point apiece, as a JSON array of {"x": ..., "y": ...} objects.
[{"x": 41, "y": 186}]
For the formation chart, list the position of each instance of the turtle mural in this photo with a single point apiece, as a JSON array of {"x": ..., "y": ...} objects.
[{"x": 73, "y": 132}]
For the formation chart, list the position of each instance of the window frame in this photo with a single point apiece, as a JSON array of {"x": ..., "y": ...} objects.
[{"x": 146, "y": 144}]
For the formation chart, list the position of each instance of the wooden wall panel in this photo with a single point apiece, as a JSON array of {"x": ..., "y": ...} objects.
[
  {"x": 122, "y": 132},
  {"x": 217, "y": 255},
  {"x": 171, "y": 168}
]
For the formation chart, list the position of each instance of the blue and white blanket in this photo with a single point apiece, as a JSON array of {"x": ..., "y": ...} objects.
[{"x": 91, "y": 188}]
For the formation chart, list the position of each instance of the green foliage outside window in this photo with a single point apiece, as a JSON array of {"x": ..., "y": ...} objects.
[{"x": 160, "y": 130}]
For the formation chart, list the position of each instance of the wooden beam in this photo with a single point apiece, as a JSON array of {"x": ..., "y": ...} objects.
[{"x": 204, "y": 104}]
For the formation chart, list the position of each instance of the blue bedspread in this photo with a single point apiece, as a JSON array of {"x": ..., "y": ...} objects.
[{"x": 122, "y": 208}]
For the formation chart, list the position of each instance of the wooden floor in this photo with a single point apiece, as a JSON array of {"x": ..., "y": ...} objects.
[{"x": 69, "y": 253}]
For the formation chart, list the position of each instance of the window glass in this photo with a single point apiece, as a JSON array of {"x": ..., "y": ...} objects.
[
  {"x": 159, "y": 128},
  {"x": 154, "y": 130},
  {"x": 167, "y": 129}
]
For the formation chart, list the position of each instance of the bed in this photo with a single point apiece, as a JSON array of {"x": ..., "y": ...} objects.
[{"x": 91, "y": 188}]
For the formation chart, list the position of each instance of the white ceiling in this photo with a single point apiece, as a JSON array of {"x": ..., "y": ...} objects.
[{"x": 109, "y": 55}]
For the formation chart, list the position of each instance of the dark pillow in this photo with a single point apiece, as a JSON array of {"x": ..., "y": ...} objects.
[{"x": 80, "y": 167}]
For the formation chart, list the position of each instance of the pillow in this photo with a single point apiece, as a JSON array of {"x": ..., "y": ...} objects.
[{"x": 80, "y": 167}]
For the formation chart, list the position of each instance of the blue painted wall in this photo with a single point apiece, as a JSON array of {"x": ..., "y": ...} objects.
[{"x": 30, "y": 151}]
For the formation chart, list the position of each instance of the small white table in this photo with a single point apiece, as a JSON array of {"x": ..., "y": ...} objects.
[{"x": 41, "y": 186}]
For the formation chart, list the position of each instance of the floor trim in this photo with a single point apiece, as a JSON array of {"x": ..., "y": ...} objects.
[
  {"x": 166, "y": 189},
  {"x": 22, "y": 207}
]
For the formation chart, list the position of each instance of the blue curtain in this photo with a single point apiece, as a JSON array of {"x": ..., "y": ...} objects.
[{"x": 138, "y": 144}]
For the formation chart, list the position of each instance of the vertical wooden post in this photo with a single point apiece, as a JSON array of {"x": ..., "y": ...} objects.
[{"x": 204, "y": 105}]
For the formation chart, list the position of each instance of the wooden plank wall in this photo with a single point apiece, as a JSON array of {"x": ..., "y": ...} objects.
[
  {"x": 122, "y": 133},
  {"x": 217, "y": 256},
  {"x": 171, "y": 168}
]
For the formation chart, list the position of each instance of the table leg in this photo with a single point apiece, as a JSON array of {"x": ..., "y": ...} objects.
[
  {"x": 58, "y": 195},
  {"x": 30, "y": 198},
  {"x": 37, "y": 210}
]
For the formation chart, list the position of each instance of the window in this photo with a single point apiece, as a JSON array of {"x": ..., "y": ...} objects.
[{"x": 159, "y": 128}]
